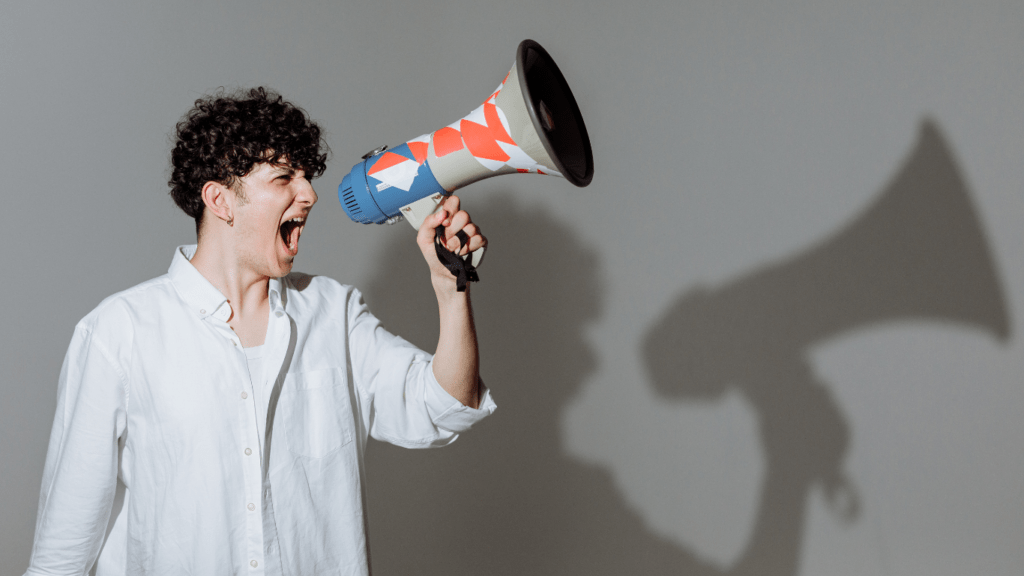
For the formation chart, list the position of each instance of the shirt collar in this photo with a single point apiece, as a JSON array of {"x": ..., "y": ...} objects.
[
  {"x": 201, "y": 296},
  {"x": 277, "y": 295}
]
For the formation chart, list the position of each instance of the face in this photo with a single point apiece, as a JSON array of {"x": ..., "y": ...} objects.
[{"x": 270, "y": 216}]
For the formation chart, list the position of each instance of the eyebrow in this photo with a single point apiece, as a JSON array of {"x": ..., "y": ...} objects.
[{"x": 279, "y": 169}]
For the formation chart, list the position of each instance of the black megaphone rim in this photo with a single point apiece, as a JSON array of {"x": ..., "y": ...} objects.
[{"x": 524, "y": 47}]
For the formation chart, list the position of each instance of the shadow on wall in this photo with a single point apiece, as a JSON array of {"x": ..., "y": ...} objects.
[
  {"x": 917, "y": 253},
  {"x": 506, "y": 499}
]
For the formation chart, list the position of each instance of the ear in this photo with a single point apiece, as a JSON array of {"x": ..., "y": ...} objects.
[{"x": 219, "y": 200}]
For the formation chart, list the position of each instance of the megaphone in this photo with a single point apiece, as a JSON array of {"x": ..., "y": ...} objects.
[
  {"x": 918, "y": 252},
  {"x": 529, "y": 124}
]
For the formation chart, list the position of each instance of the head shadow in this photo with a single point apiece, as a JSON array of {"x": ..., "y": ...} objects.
[{"x": 506, "y": 499}]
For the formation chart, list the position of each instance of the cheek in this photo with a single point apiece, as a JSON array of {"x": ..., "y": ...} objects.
[{"x": 267, "y": 223}]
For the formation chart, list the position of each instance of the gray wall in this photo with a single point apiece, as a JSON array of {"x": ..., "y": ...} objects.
[{"x": 779, "y": 334}]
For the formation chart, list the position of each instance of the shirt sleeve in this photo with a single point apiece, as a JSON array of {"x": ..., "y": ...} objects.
[
  {"x": 402, "y": 401},
  {"x": 80, "y": 475}
]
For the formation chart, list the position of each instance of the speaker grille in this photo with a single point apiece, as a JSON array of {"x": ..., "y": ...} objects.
[{"x": 351, "y": 205}]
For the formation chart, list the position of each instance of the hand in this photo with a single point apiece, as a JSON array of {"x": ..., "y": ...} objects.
[{"x": 454, "y": 220}]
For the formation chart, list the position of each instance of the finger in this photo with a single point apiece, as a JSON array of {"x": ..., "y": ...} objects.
[
  {"x": 453, "y": 233},
  {"x": 465, "y": 238},
  {"x": 471, "y": 230},
  {"x": 476, "y": 242},
  {"x": 425, "y": 235},
  {"x": 458, "y": 222},
  {"x": 440, "y": 217},
  {"x": 451, "y": 204},
  {"x": 471, "y": 242}
]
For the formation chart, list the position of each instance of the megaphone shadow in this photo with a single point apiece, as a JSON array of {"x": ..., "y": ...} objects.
[
  {"x": 918, "y": 253},
  {"x": 505, "y": 499}
]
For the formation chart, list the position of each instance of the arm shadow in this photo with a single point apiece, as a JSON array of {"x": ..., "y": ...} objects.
[
  {"x": 506, "y": 499},
  {"x": 918, "y": 253}
]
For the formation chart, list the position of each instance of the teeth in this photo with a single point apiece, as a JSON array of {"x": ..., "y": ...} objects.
[{"x": 300, "y": 223}]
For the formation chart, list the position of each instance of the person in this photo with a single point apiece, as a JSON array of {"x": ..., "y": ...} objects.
[{"x": 213, "y": 420}]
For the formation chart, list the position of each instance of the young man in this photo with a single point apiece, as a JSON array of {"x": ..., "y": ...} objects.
[{"x": 213, "y": 420}]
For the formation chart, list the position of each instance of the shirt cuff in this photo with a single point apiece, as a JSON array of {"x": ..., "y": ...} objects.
[{"x": 448, "y": 413}]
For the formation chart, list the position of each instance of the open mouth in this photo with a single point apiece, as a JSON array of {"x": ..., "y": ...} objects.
[{"x": 290, "y": 232}]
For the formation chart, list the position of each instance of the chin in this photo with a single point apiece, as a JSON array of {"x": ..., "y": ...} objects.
[{"x": 286, "y": 267}]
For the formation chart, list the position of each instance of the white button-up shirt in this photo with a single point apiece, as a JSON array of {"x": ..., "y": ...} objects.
[{"x": 155, "y": 463}]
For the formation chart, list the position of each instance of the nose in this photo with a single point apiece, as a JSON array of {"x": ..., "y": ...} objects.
[{"x": 306, "y": 193}]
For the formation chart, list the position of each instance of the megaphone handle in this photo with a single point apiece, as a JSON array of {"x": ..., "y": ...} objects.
[
  {"x": 418, "y": 211},
  {"x": 477, "y": 255}
]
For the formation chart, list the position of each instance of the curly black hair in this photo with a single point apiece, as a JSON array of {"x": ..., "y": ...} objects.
[{"x": 224, "y": 136}]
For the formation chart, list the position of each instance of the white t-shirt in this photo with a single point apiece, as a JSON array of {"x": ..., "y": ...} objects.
[{"x": 254, "y": 358}]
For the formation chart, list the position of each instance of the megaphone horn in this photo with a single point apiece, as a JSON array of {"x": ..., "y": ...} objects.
[{"x": 530, "y": 124}]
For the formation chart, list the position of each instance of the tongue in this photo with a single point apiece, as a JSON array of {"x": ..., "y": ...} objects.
[{"x": 293, "y": 238}]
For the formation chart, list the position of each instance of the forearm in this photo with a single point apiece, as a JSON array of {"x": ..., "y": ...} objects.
[{"x": 457, "y": 358}]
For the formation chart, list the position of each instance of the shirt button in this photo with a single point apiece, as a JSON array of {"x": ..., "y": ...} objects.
[
  {"x": 244, "y": 395},
  {"x": 254, "y": 563},
  {"x": 279, "y": 313},
  {"x": 252, "y": 507},
  {"x": 248, "y": 452},
  {"x": 202, "y": 311}
]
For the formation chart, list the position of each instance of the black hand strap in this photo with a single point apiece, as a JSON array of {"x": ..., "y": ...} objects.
[{"x": 463, "y": 270}]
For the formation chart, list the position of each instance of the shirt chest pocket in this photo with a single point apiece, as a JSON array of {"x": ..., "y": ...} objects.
[{"x": 314, "y": 413}]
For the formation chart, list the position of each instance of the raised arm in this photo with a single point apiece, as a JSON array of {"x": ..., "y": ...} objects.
[{"x": 456, "y": 360}]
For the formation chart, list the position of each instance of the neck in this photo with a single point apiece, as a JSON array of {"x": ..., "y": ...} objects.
[{"x": 244, "y": 288}]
